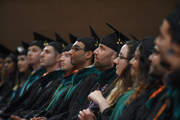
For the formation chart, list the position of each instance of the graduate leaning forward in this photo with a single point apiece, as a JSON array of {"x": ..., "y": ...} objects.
[
  {"x": 173, "y": 80},
  {"x": 50, "y": 60},
  {"x": 172, "y": 102},
  {"x": 82, "y": 82},
  {"x": 166, "y": 105}
]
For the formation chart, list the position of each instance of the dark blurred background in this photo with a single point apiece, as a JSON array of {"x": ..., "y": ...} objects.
[{"x": 20, "y": 18}]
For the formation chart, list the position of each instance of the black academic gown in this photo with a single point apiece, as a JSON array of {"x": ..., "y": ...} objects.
[
  {"x": 12, "y": 103},
  {"x": 7, "y": 88},
  {"x": 46, "y": 98},
  {"x": 131, "y": 111},
  {"x": 35, "y": 75},
  {"x": 106, "y": 114},
  {"x": 170, "y": 95},
  {"x": 173, "y": 94},
  {"x": 104, "y": 84},
  {"x": 45, "y": 95},
  {"x": 32, "y": 94},
  {"x": 74, "y": 99}
]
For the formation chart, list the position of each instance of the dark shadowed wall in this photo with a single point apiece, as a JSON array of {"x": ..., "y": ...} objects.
[{"x": 19, "y": 18}]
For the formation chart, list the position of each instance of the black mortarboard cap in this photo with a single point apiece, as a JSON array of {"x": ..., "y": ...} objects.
[
  {"x": 89, "y": 42},
  {"x": 174, "y": 21},
  {"x": 25, "y": 44},
  {"x": 19, "y": 49},
  {"x": 56, "y": 45},
  {"x": 120, "y": 35},
  {"x": 40, "y": 40},
  {"x": 22, "y": 50},
  {"x": 61, "y": 40},
  {"x": 72, "y": 38},
  {"x": 114, "y": 41},
  {"x": 38, "y": 43},
  {"x": 68, "y": 47},
  {"x": 94, "y": 34},
  {"x": 135, "y": 38},
  {"x": 110, "y": 41},
  {"x": 4, "y": 51}
]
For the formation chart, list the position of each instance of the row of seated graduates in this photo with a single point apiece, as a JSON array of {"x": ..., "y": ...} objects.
[{"x": 74, "y": 98}]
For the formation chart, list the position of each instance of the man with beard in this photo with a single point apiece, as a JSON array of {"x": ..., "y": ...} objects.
[
  {"x": 165, "y": 102},
  {"x": 173, "y": 79},
  {"x": 172, "y": 109},
  {"x": 157, "y": 71},
  {"x": 105, "y": 54}
]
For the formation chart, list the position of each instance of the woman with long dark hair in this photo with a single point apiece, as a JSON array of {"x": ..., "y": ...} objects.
[
  {"x": 143, "y": 85},
  {"x": 24, "y": 70},
  {"x": 10, "y": 68}
]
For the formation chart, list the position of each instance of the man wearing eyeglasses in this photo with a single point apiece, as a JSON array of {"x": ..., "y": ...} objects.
[
  {"x": 104, "y": 56},
  {"x": 83, "y": 80}
]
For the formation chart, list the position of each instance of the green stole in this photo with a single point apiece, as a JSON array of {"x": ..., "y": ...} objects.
[
  {"x": 78, "y": 77},
  {"x": 31, "y": 79},
  {"x": 66, "y": 81},
  {"x": 174, "y": 94},
  {"x": 120, "y": 105},
  {"x": 107, "y": 76}
]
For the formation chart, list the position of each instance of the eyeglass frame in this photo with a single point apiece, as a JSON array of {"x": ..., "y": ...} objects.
[
  {"x": 121, "y": 57},
  {"x": 77, "y": 48}
]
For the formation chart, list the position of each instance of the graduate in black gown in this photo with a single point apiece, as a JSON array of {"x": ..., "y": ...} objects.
[
  {"x": 4, "y": 51},
  {"x": 157, "y": 73},
  {"x": 68, "y": 70},
  {"x": 11, "y": 71},
  {"x": 82, "y": 82},
  {"x": 172, "y": 80},
  {"x": 161, "y": 104},
  {"x": 51, "y": 94},
  {"x": 50, "y": 60},
  {"x": 24, "y": 68},
  {"x": 123, "y": 84},
  {"x": 139, "y": 70},
  {"x": 34, "y": 51},
  {"x": 166, "y": 105},
  {"x": 104, "y": 56}
]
